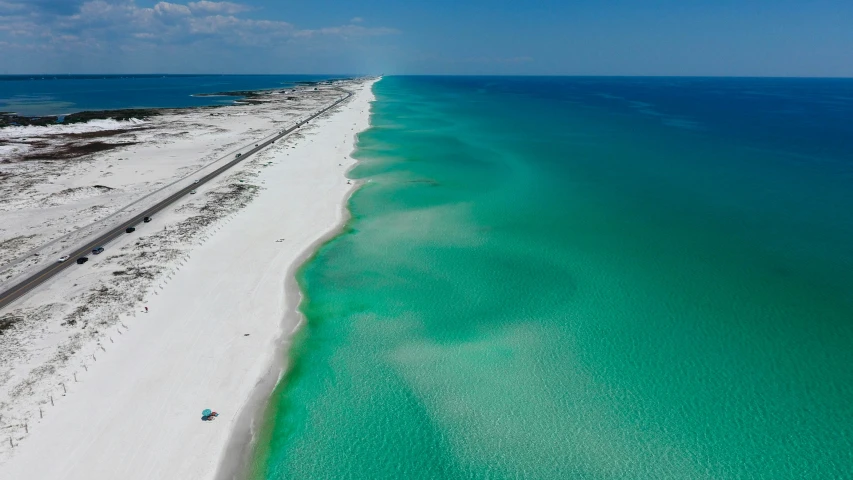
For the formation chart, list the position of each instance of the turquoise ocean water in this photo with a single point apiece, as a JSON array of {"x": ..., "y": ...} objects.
[{"x": 582, "y": 278}]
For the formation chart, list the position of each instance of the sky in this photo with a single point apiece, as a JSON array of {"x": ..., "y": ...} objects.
[{"x": 469, "y": 37}]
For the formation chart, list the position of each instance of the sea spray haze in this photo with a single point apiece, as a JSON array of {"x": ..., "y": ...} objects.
[{"x": 583, "y": 278}]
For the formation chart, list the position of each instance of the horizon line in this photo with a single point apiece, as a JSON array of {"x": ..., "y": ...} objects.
[{"x": 350, "y": 75}]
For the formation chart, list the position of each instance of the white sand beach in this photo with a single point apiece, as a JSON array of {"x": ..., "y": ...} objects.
[{"x": 112, "y": 392}]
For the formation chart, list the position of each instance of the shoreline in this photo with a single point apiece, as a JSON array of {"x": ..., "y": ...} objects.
[
  {"x": 238, "y": 453},
  {"x": 236, "y": 459},
  {"x": 305, "y": 176}
]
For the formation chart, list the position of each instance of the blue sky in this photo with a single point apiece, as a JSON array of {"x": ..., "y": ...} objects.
[{"x": 603, "y": 37}]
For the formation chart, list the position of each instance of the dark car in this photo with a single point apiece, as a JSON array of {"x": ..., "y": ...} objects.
[
  {"x": 146, "y": 219},
  {"x": 82, "y": 260},
  {"x": 130, "y": 229},
  {"x": 97, "y": 250}
]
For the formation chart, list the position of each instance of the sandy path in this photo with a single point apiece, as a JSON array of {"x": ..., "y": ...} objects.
[{"x": 136, "y": 413}]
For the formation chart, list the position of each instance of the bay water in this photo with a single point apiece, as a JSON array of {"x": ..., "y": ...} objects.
[{"x": 42, "y": 95}]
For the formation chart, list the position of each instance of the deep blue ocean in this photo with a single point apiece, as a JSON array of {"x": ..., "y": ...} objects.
[
  {"x": 582, "y": 278},
  {"x": 33, "y": 95}
]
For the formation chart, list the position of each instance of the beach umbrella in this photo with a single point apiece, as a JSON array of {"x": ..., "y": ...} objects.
[{"x": 206, "y": 412}]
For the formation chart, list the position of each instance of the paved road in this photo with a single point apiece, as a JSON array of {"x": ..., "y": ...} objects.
[{"x": 17, "y": 291}]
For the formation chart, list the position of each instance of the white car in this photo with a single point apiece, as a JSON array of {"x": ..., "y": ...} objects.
[
  {"x": 63, "y": 258},
  {"x": 195, "y": 182},
  {"x": 193, "y": 192}
]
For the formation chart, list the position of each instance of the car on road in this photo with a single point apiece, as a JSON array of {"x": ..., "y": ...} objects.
[
  {"x": 97, "y": 250},
  {"x": 82, "y": 260},
  {"x": 130, "y": 230},
  {"x": 63, "y": 258},
  {"x": 238, "y": 155},
  {"x": 193, "y": 192},
  {"x": 146, "y": 219},
  {"x": 195, "y": 182}
]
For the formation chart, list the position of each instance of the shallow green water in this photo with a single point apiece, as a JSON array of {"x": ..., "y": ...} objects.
[{"x": 538, "y": 283}]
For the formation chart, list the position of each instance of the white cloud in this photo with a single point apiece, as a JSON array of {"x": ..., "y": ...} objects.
[
  {"x": 356, "y": 20},
  {"x": 8, "y": 7},
  {"x": 166, "y": 8},
  {"x": 108, "y": 25},
  {"x": 222, "y": 24},
  {"x": 228, "y": 8},
  {"x": 349, "y": 31}
]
